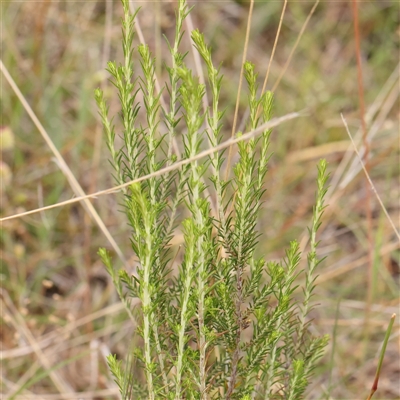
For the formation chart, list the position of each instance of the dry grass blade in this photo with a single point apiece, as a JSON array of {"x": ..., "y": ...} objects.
[
  {"x": 376, "y": 126},
  {"x": 274, "y": 47},
  {"x": 76, "y": 187},
  {"x": 320, "y": 151},
  {"x": 340, "y": 178},
  {"x": 268, "y": 125},
  {"x": 370, "y": 181},
  {"x": 246, "y": 42},
  {"x": 366, "y": 161},
  {"x": 303, "y": 28}
]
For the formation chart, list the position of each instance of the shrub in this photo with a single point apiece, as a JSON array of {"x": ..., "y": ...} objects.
[{"x": 220, "y": 322}]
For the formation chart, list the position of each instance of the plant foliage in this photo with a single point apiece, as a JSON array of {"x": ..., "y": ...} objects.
[{"x": 215, "y": 321}]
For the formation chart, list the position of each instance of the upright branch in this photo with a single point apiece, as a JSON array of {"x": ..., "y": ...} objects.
[
  {"x": 191, "y": 97},
  {"x": 171, "y": 116},
  {"x": 243, "y": 235},
  {"x": 312, "y": 257},
  {"x": 214, "y": 117}
]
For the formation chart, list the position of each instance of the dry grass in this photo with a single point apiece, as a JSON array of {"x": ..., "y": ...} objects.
[{"x": 60, "y": 314}]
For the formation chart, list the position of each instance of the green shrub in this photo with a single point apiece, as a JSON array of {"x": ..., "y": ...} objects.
[{"x": 219, "y": 323}]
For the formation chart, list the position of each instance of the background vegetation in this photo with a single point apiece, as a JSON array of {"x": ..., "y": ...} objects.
[{"x": 60, "y": 312}]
